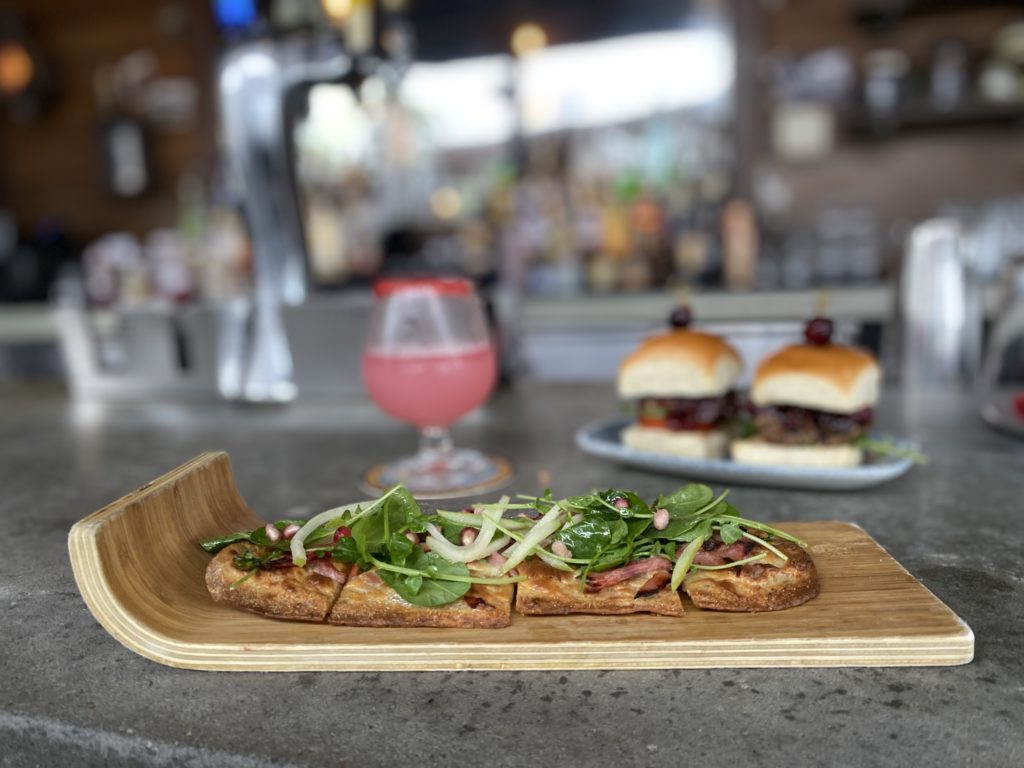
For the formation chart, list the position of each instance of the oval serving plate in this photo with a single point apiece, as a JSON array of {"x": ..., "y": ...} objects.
[{"x": 601, "y": 439}]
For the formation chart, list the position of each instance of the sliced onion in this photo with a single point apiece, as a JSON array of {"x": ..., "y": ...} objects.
[{"x": 298, "y": 547}]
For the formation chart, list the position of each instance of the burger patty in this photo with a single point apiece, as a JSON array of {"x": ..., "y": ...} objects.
[
  {"x": 792, "y": 425},
  {"x": 678, "y": 414}
]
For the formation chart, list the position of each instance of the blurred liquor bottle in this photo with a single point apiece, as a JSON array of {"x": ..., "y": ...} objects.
[{"x": 124, "y": 144}]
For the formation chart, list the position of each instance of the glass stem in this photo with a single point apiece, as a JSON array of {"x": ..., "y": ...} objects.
[{"x": 435, "y": 442}]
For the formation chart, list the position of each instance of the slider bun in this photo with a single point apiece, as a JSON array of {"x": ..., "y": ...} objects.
[
  {"x": 830, "y": 377},
  {"x": 688, "y": 444},
  {"x": 680, "y": 363},
  {"x": 757, "y": 451}
]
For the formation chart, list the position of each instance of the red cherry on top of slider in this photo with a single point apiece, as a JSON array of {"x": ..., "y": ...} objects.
[{"x": 818, "y": 331}]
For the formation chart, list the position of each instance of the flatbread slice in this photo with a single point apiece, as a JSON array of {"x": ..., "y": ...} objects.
[
  {"x": 367, "y": 601},
  {"x": 292, "y": 593},
  {"x": 772, "y": 584},
  {"x": 548, "y": 592}
]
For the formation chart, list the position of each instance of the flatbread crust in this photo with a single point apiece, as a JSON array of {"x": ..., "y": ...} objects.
[
  {"x": 367, "y": 601},
  {"x": 770, "y": 585},
  {"x": 281, "y": 593},
  {"x": 548, "y": 592}
]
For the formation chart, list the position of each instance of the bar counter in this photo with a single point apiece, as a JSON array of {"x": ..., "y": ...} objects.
[{"x": 71, "y": 695}]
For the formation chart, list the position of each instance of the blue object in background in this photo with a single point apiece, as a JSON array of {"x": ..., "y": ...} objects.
[{"x": 234, "y": 13}]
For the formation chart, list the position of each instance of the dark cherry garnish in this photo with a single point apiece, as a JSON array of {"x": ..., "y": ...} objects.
[
  {"x": 680, "y": 317},
  {"x": 818, "y": 331}
]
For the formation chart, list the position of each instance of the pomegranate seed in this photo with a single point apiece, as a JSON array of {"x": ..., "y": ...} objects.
[
  {"x": 660, "y": 519},
  {"x": 561, "y": 550},
  {"x": 343, "y": 532},
  {"x": 272, "y": 533},
  {"x": 819, "y": 331},
  {"x": 468, "y": 536},
  {"x": 621, "y": 502},
  {"x": 497, "y": 559},
  {"x": 290, "y": 530}
]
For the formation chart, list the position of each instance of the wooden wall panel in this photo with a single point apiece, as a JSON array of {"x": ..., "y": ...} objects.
[
  {"x": 50, "y": 168},
  {"x": 911, "y": 175}
]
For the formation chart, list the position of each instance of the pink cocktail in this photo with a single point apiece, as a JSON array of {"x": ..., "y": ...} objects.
[
  {"x": 428, "y": 361},
  {"x": 432, "y": 388}
]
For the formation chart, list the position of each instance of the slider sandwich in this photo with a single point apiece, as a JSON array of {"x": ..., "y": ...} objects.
[
  {"x": 811, "y": 404},
  {"x": 682, "y": 385}
]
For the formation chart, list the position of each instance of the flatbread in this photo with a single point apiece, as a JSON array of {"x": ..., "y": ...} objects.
[
  {"x": 548, "y": 592},
  {"x": 773, "y": 584},
  {"x": 282, "y": 593},
  {"x": 367, "y": 601}
]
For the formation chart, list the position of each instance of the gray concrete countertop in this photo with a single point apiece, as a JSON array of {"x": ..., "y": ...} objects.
[{"x": 71, "y": 695}]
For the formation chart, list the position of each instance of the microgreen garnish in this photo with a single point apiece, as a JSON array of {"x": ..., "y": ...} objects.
[{"x": 888, "y": 447}]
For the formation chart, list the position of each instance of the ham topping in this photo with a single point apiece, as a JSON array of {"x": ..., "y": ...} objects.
[
  {"x": 598, "y": 581},
  {"x": 654, "y": 584},
  {"x": 326, "y": 568},
  {"x": 723, "y": 553}
]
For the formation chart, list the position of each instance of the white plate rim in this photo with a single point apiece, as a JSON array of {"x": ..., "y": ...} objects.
[{"x": 812, "y": 478}]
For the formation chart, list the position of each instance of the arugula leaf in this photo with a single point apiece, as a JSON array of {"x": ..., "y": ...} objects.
[
  {"x": 217, "y": 543},
  {"x": 259, "y": 535},
  {"x": 730, "y": 533},
  {"x": 430, "y": 591},
  {"x": 256, "y": 536}
]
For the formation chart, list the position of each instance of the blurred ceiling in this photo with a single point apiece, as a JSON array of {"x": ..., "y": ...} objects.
[{"x": 450, "y": 29}]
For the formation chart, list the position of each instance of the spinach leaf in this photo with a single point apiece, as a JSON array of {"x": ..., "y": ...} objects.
[
  {"x": 414, "y": 584},
  {"x": 612, "y": 557},
  {"x": 399, "y": 549},
  {"x": 429, "y": 587},
  {"x": 347, "y": 551},
  {"x": 687, "y": 529},
  {"x": 637, "y": 506},
  {"x": 621, "y": 550},
  {"x": 402, "y": 504},
  {"x": 398, "y": 513},
  {"x": 583, "y": 502},
  {"x": 685, "y": 500},
  {"x": 591, "y": 535},
  {"x": 451, "y": 530}
]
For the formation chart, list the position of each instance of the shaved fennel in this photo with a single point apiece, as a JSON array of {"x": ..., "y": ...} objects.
[{"x": 544, "y": 527}]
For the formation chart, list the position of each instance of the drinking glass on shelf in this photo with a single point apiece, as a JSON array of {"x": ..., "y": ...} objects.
[{"x": 428, "y": 361}]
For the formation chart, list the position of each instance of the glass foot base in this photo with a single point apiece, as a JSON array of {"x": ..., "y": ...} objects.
[{"x": 459, "y": 472}]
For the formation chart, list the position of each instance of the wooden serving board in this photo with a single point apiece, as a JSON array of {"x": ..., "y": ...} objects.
[{"x": 141, "y": 572}]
